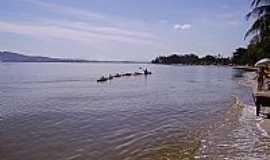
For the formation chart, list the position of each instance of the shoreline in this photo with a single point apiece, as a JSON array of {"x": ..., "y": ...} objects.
[
  {"x": 241, "y": 134},
  {"x": 212, "y": 143},
  {"x": 264, "y": 123}
]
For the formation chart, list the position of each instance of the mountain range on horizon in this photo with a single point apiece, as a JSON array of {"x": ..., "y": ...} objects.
[{"x": 6, "y": 56}]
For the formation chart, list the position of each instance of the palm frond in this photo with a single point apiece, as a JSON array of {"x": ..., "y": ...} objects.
[
  {"x": 259, "y": 11},
  {"x": 254, "y": 29},
  {"x": 261, "y": 26},
  {"x": 256, "y": 3},
  {"x": 255, "y": 39}
]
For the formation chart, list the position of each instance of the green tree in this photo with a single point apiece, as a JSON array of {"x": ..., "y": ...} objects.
[
  {"x": 260, "y": 29},
  {"x": 259, "y": 32},
  {"x": 240, "y": 56}
]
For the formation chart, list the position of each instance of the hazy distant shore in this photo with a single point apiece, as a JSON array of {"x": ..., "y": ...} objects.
[
  {"x": 11, "y": 57},
  {"x": 109, "y": 62}
]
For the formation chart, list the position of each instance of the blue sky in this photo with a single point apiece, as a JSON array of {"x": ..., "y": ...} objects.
[{"x": 122, "y": 29}]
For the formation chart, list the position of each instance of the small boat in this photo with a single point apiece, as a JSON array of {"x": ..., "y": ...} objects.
[
  {"x": 117, "y": 75},
  {"x": 127, "y": 74},
  {"x": 137, "y": 74},
  {"x": 102, "y": 79}
]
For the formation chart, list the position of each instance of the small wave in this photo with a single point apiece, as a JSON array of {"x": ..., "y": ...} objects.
[
  {"x": 239, "y": 136},
  {"x": 76, "y": 156},
  {"x": 264, "y": 132}
]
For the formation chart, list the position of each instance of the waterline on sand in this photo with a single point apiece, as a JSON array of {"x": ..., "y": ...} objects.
[{"x": 242, "y": 135}]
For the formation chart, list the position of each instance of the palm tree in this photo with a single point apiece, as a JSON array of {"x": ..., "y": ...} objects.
[{"x": 260, "y": 29}]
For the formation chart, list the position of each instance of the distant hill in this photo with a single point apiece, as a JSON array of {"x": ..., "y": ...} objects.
[{"x": 16, "y": 57}]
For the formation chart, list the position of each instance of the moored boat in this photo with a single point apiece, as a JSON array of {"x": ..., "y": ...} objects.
[
  {"x": 127, "y": 74},
  {"x": 102, "y": 79},
  {"x": 137, "y": 73},
  {"x": 117, "y": 75}
]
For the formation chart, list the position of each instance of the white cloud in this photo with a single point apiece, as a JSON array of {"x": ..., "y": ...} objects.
[
  {"x": 65, "y": 9},
  {"x": 182, "y": 27},
  {"x": 108, "y": 30},
  {"x": 91, "y": 35},
  {"x": 83, "y": 14},
  {"x": 97, "y": 27}
]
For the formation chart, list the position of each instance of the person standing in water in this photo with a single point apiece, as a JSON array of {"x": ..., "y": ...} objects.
[{"x": 145, "y": 71}]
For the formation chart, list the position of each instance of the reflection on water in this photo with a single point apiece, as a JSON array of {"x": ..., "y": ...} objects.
[
  {"x": 238, "y": 73},
  {"x": 58, "y": 111}
]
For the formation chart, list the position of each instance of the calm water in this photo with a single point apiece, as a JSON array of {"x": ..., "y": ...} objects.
[{"x": 58, "y": 111}]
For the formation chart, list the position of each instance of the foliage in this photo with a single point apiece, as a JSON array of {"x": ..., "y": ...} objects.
[
  {"x": 259, "y": 32},
  {"x": 192, "y": 59},
  {"x": 240, "y": 57},
  {"x": 260, "y": 29}
]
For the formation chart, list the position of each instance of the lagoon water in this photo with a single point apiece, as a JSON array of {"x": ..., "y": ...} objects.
[{"x": 59, "y": 111}]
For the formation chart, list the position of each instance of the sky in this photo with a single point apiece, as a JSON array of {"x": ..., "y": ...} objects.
[{"x": 137, "y": 30}]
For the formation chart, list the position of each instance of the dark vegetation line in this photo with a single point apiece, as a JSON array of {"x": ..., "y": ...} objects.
[{"x": 192, "y": 59}]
